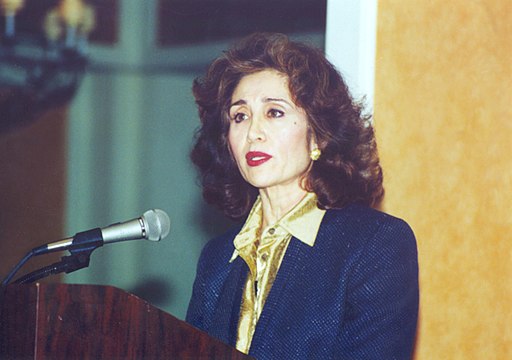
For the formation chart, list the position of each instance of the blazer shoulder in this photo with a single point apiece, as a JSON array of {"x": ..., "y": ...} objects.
[
  {"x": 362, "y": 216},
  {"x": 358, "y": 224}
]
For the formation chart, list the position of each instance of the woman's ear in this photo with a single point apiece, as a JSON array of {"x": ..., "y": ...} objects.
[
  {"x": 311, "y": 137},
  {"x": 314, "y": 151}
]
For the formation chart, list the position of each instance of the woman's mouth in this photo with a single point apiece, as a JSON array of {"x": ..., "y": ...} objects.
[{"x": 256, "y": 158}]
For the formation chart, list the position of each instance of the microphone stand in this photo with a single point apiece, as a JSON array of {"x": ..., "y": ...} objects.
[
  {"x": 78, "y": 259},
  {"x": 84, "y": 244}
]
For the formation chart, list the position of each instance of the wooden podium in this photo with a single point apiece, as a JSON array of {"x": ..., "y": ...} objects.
[{"x": 59, "y": 321}]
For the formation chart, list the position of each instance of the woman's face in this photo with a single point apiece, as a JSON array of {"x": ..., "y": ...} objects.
[{"x": 268, "y": 133}]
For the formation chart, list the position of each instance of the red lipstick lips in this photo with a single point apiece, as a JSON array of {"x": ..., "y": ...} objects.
[{"x": 256, "y": 158}]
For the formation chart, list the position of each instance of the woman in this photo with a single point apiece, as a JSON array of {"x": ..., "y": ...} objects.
[{"x": 314, "y": 271}]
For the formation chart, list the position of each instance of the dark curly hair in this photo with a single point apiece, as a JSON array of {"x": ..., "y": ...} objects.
[{"x": 348, "y": 170}]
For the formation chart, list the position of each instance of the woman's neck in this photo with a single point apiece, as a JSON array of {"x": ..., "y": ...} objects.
[{"x": 277, "y": 202}]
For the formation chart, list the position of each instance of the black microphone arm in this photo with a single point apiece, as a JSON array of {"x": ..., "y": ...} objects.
[{"x": 153, "y": 225}]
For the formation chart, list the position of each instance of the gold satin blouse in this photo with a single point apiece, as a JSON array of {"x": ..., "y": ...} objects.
[{"x": 263, "y": 251}]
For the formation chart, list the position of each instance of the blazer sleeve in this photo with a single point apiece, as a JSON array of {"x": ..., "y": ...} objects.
[
  {"x": 382, "y": 297},
  {"x": 196, "y": 308}
]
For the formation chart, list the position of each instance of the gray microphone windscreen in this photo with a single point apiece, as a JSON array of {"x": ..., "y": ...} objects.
[{"x": 157, "y": 224}]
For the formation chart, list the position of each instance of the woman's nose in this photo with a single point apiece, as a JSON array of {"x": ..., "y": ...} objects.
[{"x": 256, "y": 131}]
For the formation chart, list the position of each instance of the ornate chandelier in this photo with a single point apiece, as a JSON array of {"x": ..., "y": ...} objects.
[{"x": 43, "y": 70}]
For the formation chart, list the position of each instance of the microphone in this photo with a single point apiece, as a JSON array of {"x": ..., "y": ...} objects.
[{"x": 153, "y": 225}]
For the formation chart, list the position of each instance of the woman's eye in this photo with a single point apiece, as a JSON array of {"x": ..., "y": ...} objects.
[
  {"x": 239, "y": 117},
  {"x": 274, "y": 113}
]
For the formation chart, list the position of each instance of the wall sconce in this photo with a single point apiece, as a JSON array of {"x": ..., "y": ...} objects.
[{"x": 41, "y": 71}]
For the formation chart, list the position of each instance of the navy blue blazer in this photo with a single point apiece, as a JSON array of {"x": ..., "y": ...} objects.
[{"x": 354, "y": 295}]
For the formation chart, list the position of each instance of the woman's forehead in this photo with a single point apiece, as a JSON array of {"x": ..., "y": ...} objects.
[{"x": 265, "y": 84}]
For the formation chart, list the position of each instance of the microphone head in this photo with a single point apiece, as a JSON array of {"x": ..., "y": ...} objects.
[{"x": 157, "y": 224}]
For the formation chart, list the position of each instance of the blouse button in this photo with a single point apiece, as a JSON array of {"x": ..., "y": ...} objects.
[
  {"x": 264, "y": 256},
  {"x": 271, "y": 231}
]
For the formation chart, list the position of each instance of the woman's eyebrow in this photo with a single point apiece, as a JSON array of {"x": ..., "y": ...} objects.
[
  {"x": 239, "y": 102},
  {"x": 267, "y": 100}
]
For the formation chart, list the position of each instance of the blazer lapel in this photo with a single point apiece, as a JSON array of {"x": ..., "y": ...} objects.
[
  {"x": 225, "y": 319},
  {"x": 293, "y": 262}
]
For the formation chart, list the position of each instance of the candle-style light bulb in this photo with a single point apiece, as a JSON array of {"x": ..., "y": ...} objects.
[
  {"x": 10, "y": 8},
  {"x": 52, "y": 26},
  {"x": 71, "y": 12}
]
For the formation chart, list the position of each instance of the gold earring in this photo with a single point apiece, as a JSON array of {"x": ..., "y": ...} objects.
[{"x": 315, "y": 154}]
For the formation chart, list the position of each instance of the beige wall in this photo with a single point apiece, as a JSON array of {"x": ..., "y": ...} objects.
[{"x": 443, "y": 98}]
